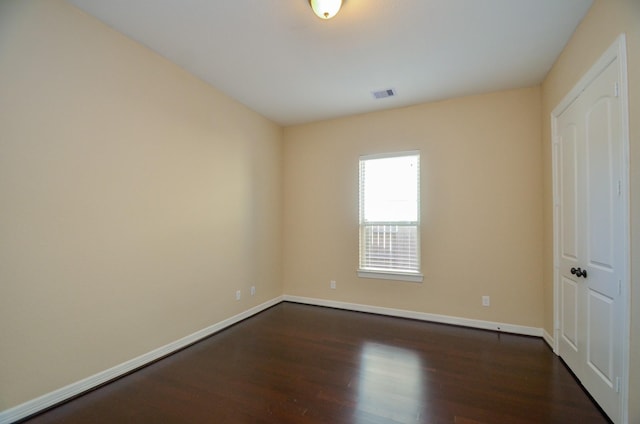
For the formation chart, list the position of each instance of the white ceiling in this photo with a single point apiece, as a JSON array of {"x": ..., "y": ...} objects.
[{"x": 279, "y": 59}]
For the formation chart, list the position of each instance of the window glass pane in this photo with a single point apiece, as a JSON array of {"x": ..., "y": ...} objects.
[
  {"x": 391, "y": 189},
  {"x": 389, "y": 214}
]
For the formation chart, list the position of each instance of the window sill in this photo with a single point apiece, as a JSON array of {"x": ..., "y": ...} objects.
[{"x": 397, "y": 276}]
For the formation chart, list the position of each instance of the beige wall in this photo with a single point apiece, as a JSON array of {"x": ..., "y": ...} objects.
[
  {"x": 481, "y": 206},
  {"x": 604, "y": 22},
  {"x": 135, "y": 200}
]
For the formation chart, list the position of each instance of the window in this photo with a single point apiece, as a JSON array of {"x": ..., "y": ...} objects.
[{"x": 390, "y": 216}]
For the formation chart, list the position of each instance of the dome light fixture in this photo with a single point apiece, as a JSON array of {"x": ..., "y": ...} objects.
[{"x": 325, "y": 9}]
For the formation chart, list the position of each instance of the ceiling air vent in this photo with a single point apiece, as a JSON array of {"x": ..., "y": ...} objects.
[{"x": 390, "y": 92}]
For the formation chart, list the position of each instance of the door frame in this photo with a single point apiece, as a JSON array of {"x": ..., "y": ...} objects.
[{"x": 618, "y": 50}]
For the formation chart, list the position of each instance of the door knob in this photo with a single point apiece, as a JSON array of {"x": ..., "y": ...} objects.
[{"x": 579, "y": 272}]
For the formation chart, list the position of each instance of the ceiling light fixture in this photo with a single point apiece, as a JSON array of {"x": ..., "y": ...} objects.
[{"x": 325, "y": 9}]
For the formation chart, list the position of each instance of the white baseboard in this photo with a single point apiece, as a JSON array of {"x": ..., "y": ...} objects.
[
  {"x": 422, "y": 316},
  {"x": 45, "y": 401},
  {"x": 549, "y": 339}
]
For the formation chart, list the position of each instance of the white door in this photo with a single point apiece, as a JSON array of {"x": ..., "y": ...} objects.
[{"x": 591, "y": 238}]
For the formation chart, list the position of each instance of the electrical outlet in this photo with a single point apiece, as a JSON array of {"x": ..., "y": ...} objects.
[
  {"x": 238, "y": 295},
  {"x": 486, "y": 300},
  {"x": 253, "y": 290},
  {"x": 332, "y": 284}
]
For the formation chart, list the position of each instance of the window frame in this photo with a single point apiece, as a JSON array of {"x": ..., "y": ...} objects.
[{"x": 388, "y": 274}]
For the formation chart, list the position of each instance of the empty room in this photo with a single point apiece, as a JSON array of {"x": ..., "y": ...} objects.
[{"x": 308, "y": 211}]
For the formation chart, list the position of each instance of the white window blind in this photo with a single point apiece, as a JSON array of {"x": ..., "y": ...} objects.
[{"x": 390, "y": 214}]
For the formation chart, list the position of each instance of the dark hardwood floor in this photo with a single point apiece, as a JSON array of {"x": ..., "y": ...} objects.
[{"x": 304, "y": 364}]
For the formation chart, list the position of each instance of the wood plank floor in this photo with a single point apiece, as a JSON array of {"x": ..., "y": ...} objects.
[{"x": 304, "y": 364}]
